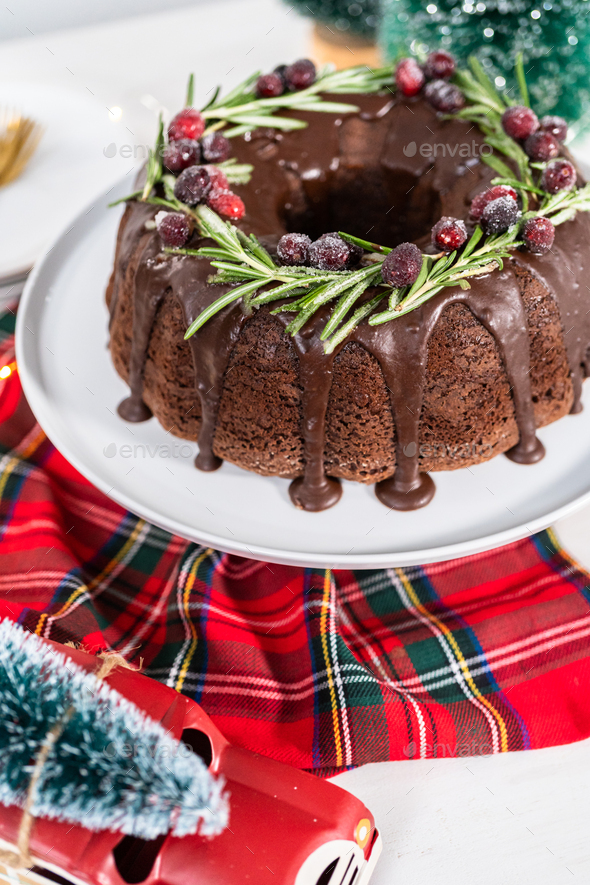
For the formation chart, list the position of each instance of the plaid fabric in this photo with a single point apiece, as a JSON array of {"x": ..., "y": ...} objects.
[{"x": 323, "y": 670}]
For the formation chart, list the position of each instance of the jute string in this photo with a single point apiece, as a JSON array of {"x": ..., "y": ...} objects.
[{"x": 21, "y": 858}]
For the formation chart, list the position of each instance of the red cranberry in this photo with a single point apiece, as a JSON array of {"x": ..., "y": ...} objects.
[
  {"x": 226, "y": 203},
  {"x": 300, "y": 74},
  {"x": 519, "y": 122},
  {"x": 556, "y": 126},
  {"x": 440, "y": 65},
  {"x": 481, "y": 200},
  {"x": 189, "y": 123},
  {"x": 402, "y": 266},
  {"x": 218, "y": 178},
  {"x": 444, "y": 96},
  {"x": 541, "y": 146},
  {"x": 270, "y": 85},
  {"x": 192, "y": 185},
  {"x": 174, "y": 228},
  {"x": 181, "y": 154},
  {"x": 558, "y": 176},
  {"x": 355, "y": 253},
  {"x": 499, "y": 215},
  {"x": 409, "y": 76},
  {"x": 449, "y": 233},
  {"x": 538, "y": 235},
  {"x": 215, "y": 147},
  {"x": 329, "y": 253},
  {"x": 293, "y": 249}
]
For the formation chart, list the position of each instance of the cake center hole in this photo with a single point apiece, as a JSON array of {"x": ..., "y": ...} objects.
[{"x": 383, "y": 205}]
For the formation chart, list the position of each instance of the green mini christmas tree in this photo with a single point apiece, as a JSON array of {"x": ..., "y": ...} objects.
[
  {"x": 359, "y": 17},
  {"x": 553, "y": 37},
  {"x": 109, "y": 766}
]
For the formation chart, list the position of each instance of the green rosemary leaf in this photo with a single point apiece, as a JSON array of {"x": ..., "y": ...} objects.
[
  {"x": 241, "y": 270},
  {"x": 219, "y": 304},
  {"x": 519, "y": 185},
  {"x": 240, "y": 173},
  {"x": 328, "y": 107},
  {"x": 126, "y": 199},
  {"x": 359, "y": 314},
  {"x": 345, "y": 302},
  {"x": 190, "y": 92},
  {"x": 395, "y": 297},
  {"x": 260, "y": 252},
  {"x": 522, "y": 87},
  {"x": 212, "y": 100},
  {"x": 364, "y": 244},
  {"x": 154, "y": 163},
  {"x": 486, "y": 84},
  {"x": 440, "y": 267},
  {"x": 236, "y": 130},
  {"x": 209, "y": 252},
  {"x": 287, "y": 124},
  {"x": 473, "y": 241},
  {"x": 497, "y": 165},
  {"x": 426, "y": 265}
]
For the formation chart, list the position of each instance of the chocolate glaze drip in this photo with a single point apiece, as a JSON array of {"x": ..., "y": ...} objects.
[{"x": 295, "y": 180}]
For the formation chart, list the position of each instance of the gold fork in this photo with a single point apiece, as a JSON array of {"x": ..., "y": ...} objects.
[{"x": 19, "y": 137}]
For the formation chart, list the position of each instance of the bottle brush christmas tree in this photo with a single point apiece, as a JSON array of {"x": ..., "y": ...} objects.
[
  {"x": 88, "y": 777},
  {"x": 553, "y": 37}
]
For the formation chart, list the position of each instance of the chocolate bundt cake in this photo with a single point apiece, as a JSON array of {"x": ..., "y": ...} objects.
[{"x": 470, "y": 373}]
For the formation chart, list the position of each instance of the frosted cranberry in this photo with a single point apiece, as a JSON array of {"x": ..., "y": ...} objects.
[
  {"x": 174, "y": 228},
  {"x": 189, "y": 123},
  {"x": 541, "y": 146},
  {"x": 449, "y": 233},
  {"x": 218, "y": 178},
  {"x": 481, "y": 200},
  {"x": 293, "y": 249},
  {"x": 181, "y": 154},
  {"x": 556, "y": 126},
  {"x": 192, "y": 185},
  {"x": 558, "y": 176},
  {"x": 402, "y": 266},
  {"x": 440, "y": 65},
  {"x": 499, "y": 215},
  {"x": 355, "y": 253},
  {"x": 444, "y": 96},
  {"x": 519, "y": 122},
  {"x": 215, "y": 147},
  {"x": 226, "y": 203},
  {"x": 300, "y": 74},
  {"x": 538, "y": 235},
  {"x": 270, "y": 85},
  {"x": 329, "y": 253},
  {"x": 409, "y": 76}
]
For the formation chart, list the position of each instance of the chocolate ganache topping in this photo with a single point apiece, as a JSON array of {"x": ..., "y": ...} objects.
[{"x": 385, "y": 173}]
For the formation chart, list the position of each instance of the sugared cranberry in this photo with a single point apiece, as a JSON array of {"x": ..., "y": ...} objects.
[
  {"x": 480, "y": 201},
  {"x": 538, "y": 235},
  {"x": 270, "y": 85},
  {"x": 440, "y": 65},
  {"x": 189, "y": 123},
  {"x": 558, "y": 176},
  {"x": 218, "y": 178},
  {"x": 402, "y": 266},
  {"x": 181, "y": 154},
  {"x": 409, "y": 76},
  {"x": 449, "y": 233},
  {"x": 226, "y": 203},
  {"x": 556, "y": 126},
  {"x": 444, "y": 96},
  {"x": 215, "y": 147},
  {"x": 519, "y": 122},
  {"x": 541, "y": 146},
  {"x": 174, "y": 228},
  {"x": 192, "y": 185},
  {"x": 293, "y": 249},
  {"x": 300, "y": 74},
  {"x": 329, "y": 253},
  {"x": 499, "y": 215},
  {"x": 355, "y": 253}
]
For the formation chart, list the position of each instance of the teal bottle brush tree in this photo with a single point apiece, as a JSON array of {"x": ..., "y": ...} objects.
[
  {"x": 62, "y": 734},
  {"x": 553, "y": 37}
]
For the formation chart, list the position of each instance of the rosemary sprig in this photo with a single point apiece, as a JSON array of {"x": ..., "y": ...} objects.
[{"x": 154, "y": 163}]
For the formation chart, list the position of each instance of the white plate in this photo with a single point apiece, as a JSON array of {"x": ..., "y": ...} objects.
[
  {"x": 67, "y": 169},
  {"x": 74, "y": 391}
]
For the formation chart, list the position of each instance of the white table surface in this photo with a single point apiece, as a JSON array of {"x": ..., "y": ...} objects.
[{"x": 513, "y": 819}]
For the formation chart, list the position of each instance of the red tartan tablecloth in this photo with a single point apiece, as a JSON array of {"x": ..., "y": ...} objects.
[{"x": 323, "y": 670}]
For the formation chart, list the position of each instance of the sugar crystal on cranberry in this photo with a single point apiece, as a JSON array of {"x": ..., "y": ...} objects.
[
  {"x": 519, "y": 122},
  {"x": 480, "y": 201},
  {"x": 556, "y": 126},
  {"x": 215, "y": 147},
  {"x": 189, "y": 123},
  {"x": 300, "y": 74},
  {"x": 409, "y": 76},
  {"x": 355, "y": 253},
  {"x": 538, "y": 235},
  {"x": 444, "y": 96},
  {"x": 541, "y": 146},
  {"x": 226, "y": 203},
  {"x": 440, "y": 65},
  {"x": 499, "y": 215},
  {"x": 174, "y": 228},
  {"x": 402, "y": 266},
  {"x": 449, "y": 233},
  {"x": 181, "y": 154},
  {"x": 293, "y": 249},
  {"x": 192, "y": 185},
  {"x": 560, "y": 175},
  {"x": 329, "y": 253}
]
